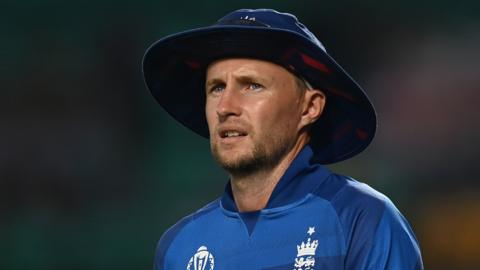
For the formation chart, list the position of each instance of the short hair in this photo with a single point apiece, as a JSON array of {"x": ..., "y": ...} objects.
[{"x": 302, "y": 83}]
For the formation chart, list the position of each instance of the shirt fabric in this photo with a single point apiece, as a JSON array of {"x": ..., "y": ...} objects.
[{"x": 314, "y": 219}]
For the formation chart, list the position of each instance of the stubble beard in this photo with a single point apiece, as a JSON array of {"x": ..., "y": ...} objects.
[{"x": 259, "y": 159}]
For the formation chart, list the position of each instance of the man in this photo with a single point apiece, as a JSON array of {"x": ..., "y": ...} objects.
[{"x": 275, "y": 106}]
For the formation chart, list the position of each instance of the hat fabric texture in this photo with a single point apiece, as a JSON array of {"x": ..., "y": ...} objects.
[{"x": 174, "y": 69}]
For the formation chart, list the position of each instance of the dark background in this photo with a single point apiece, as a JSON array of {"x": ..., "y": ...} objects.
[{"x": 92, "y": 171}]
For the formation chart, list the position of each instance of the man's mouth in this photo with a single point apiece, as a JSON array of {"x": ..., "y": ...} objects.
[{"x": 231, "y": 133}]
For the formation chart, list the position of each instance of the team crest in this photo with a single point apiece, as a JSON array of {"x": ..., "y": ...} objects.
[
  {"x": 305, "y": 259},
  {"x": 201, "y": 259}
]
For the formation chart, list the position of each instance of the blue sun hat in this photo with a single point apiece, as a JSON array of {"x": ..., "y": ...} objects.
[{"x": 174, "y": 69}]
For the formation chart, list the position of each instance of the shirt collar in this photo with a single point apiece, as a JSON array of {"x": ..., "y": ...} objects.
[{"x": 296, "y": 182}]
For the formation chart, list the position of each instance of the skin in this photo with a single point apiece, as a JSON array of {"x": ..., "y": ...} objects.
[{"x": 271, "y": 111}]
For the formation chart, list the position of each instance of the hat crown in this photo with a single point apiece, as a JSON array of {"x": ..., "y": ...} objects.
[{"x": 269, "y": 18}]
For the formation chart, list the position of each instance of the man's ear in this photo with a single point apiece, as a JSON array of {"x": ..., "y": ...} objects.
[{"x": 313, "y": 105}]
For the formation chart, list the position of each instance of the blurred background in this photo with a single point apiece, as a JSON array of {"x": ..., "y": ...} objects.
[{"x": 93, "y": 171}]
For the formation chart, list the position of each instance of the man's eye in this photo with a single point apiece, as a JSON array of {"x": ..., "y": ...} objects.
[
  {"x": 217, "y": 88},
  {"x": 255, "y": 86}
]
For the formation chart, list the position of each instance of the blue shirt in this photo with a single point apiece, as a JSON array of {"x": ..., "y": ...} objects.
[{"x": 314, "y": 219}]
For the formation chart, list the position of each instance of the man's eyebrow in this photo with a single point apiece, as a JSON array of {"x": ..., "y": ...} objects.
[
  {"x": 249, "y": 78},
  {"x": 213, "y": 81},
  {"x": 240, "y": 78}
]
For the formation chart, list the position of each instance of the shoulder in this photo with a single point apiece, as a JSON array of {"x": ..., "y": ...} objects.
[
  {"x": 361, "y": 209},
  {"x": 169, "y": 236},
  {"x": 338, "y": 189},
  {"x": 351, "y": 197},
  {"x": 357, "y": 203},
  {"x": 375, "y": 232}
]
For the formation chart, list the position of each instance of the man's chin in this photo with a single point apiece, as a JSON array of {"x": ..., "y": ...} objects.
[
  {"x": 242, "y": 161},
  {"x": 240, "y": 167},
  {"x": 234, "y": 161}
]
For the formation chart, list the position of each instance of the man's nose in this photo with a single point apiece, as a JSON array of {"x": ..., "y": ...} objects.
[{"x": 229, "y": 104}]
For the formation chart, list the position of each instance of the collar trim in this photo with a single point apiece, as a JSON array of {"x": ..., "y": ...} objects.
[{"x": 301, "y": 178}]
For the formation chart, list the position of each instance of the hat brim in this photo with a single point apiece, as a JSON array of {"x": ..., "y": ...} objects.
[{"x": 175, "y": 68}]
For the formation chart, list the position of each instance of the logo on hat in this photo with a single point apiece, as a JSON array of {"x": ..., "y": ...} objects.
[
  {"x": 201, "y": 259},
  {"x": 247, "y": 18}
]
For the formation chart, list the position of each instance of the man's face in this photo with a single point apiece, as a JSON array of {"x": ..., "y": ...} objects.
[{"x": 253, "y": 110}]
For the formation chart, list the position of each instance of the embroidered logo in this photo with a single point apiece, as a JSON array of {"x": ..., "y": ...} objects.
[
  {"x": 201, "y": 259},
  {"x": 305, "y": 259},
  {"x": 247, "y": 18}
]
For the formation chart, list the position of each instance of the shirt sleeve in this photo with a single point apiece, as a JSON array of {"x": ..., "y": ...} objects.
[
  {"x": 161, "y": 250},
  {"x": 391, "y": 244},
  {"x": 160, "y": 260}
]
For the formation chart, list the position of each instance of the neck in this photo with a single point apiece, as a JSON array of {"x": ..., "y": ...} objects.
[{"x": 252, "y": 192}]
